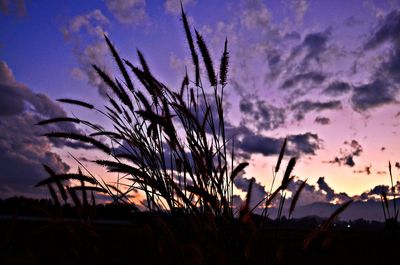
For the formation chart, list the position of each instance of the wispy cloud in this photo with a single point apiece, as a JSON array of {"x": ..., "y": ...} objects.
[
  {"x": 301, "y": 108},
  {"x": 300, "y": 8},
  {"x": 93, "y": 24},
  {"x": 131, "y": 12}
]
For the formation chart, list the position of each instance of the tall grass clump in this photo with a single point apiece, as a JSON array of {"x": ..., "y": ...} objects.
[{"x": 169, "y": 144}]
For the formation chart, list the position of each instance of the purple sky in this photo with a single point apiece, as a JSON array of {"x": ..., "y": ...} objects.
[{"x": 324, "y": 73}]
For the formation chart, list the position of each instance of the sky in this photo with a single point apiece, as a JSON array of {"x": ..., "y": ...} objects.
[{"x": 325, "y": 74}]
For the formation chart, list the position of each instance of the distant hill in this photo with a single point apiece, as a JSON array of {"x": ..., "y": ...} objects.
[{"x": 369, "y": 210}]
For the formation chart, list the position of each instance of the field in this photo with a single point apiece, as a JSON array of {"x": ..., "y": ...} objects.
[{"x": 181, "y": 240}]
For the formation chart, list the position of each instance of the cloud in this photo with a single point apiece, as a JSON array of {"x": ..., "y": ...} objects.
[
  {"x": 348, "y": 161},
  {"x": 330, "y": 193},
  {"x": 174, "y": 7},
  {"x": 313, "y": 47},
  {"x": 264, "y": 145},
  {"x": 352, "y": 149},
  {"x": 299, "y": 144},
  {"x": 319, "y": 193},
  {"x": 88, "y": 51},
  {"x": 22, "y": 148},
  {"x": 131, "y": 12},
  {"x": 255, "y": 15},
  {"x": 322, "y": 120},
  {"x": 303, "y": 107},
  {"x": 306, "y": 143},
  {"x": 364, "y": 170},
  {"x": 391, "y": 67},
  {"x": 377, "y": 190},
  {"x": 383, "y": 87},
  {"x": 337, "y": 88},
  {"x": 387, "y": 30},
  {"x": 13, "y": 7},
  {"x": 258, "y": 190},
  {"x": 304, "y": 78},
  {"x": 262, "y": 115},
  {"x": 17, "y": 99},
  {"x": 300, "y": 8},
  {"x": 372, "y": 95}
]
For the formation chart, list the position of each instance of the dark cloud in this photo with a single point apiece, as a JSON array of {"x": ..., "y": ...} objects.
[
  {"x": 377, "y": 190},
  {"x": 372, "y": 95},
  {"x": 273, "y": 58},
  {"x": 303, "y": 107},
  {"x": 261, "y": 114},
  {"x": 309, "y": 77},
  {"x": 357, "y": 148},
  {"x": 313, "y": 47},
  {"x": 365, "y": 170},
  {"x": 322, "y": 120},
  {"x": 352, "y": 149},
  {"x": 246, "y": 105},
  {"x": 391, "y": 67},
  {"x": 387, "y": 30},
  {"x": 300, "y": 144},
  {"x": 319, "y": 193},
  {"x": 258, "y": 190},
  {"x": 306, "y": 143},
  {"x": 260, "y": 144},
  {"x": 330, "y": 193},
  {"x": 348, "y": 161},
  {"x": 22, "y": 149},
  {"x": 337, "y": 88},
  {"x": 11, "y": 102},
  {"x": 383, "y": 88}
]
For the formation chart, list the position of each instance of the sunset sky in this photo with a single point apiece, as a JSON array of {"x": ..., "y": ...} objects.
[{"x": 324, "y": 73}]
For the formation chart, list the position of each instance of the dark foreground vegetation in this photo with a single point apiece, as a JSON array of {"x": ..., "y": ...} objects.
[
  {"x": 114, "y": 234},
  {"x": 172, "y": 146}
]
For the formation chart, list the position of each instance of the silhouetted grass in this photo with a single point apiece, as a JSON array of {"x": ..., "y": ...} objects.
[{"x": 172, "y": 146}]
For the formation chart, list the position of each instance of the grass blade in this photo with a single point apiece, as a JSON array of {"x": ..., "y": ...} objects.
[
  {"x": 76, "y": 102},
  {"x": 281, "y": 153},
  {"x": 206, "y": 59},
  {"x": 223, "y": 68},
  {"x": 296, "y": 197},
  {"x": 286, "y": 176},
  {"x": 189, "y": 38},
  {"x": 239, "y": 168}
]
